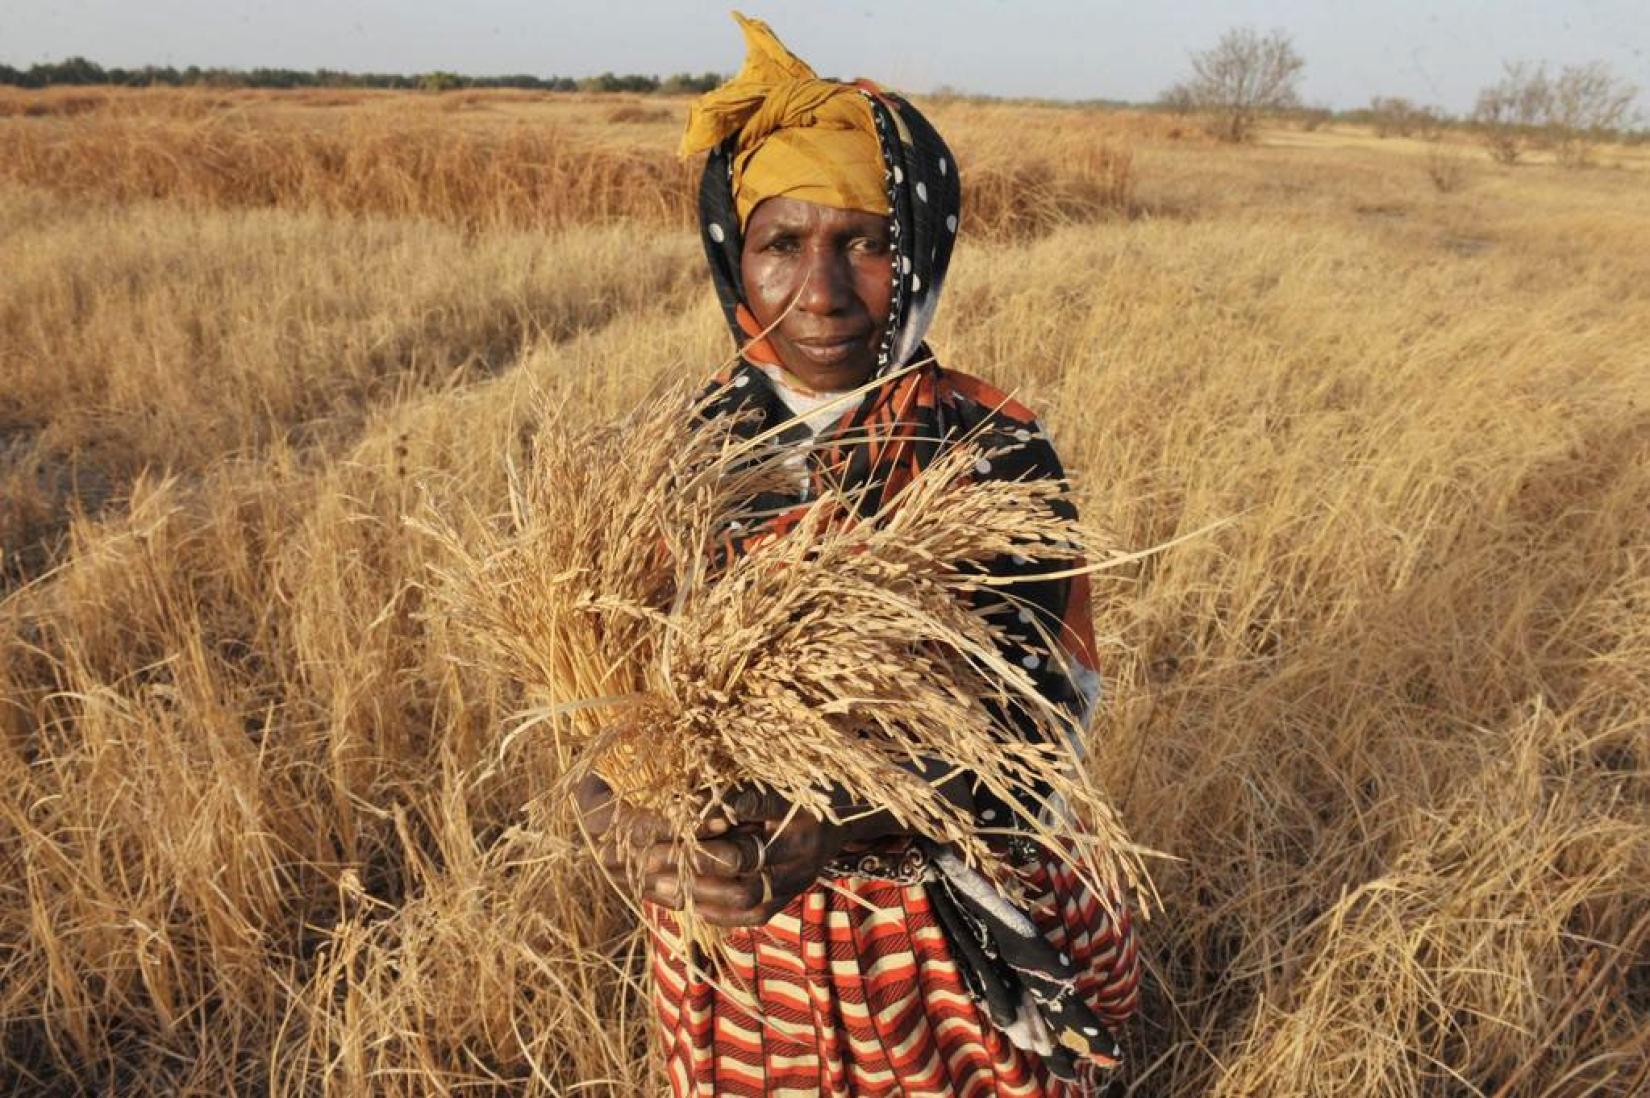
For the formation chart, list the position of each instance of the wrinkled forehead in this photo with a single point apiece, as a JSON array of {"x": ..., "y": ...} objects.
[{"x": 798, "y": 216}]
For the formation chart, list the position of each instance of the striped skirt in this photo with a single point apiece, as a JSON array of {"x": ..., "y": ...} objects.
[{"x": 855, "y": 989}]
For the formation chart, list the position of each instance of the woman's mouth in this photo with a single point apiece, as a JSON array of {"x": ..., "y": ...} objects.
[{"x": 832, "y": 351}]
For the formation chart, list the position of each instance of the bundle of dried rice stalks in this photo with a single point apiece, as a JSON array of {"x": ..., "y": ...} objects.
[{"x": 832, "y": 665}]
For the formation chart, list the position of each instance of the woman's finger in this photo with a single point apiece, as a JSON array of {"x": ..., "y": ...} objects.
[
  {"x": 738, "y": 854},
  {"x": 648, "y": 862},
  {"x": 747, "y": 804},
  {"x": 737, "y": 893},
  {"x": 752, "y": 905},
  {"x": 664, "y": 889},
  {"x": 731, "y": 918},
  {"x": 638, "y": 826}
]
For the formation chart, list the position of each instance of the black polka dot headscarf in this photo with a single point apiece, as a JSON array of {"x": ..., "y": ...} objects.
[{"x": 924, "y": 194}]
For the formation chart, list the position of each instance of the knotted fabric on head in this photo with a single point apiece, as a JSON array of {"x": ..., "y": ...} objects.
[{"x": 795, "y": 135}]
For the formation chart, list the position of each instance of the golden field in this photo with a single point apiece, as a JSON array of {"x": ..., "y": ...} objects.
[{"x": 1390, "y": 725}]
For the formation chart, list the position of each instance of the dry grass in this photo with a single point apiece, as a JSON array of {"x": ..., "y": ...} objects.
[
  {"x": 640, "y": 114},
  {"x": 1395, "y": 721},
  {"x": 681, "y": 679},
  {"x": 527, "y": 177},
  {"x": 506, "y": 161}
]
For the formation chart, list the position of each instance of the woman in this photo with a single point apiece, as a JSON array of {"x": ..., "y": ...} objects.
[{"x": 870, "y": 962}]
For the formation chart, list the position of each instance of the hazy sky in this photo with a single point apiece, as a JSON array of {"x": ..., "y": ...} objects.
[{"x": 1439, "y": 52}]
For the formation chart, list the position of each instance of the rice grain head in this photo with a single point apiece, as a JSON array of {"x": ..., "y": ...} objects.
[{"x": 834, "y": 665}]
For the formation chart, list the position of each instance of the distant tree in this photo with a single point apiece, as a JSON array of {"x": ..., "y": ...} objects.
[
  {"x": 1509, "y": 113},
  {"x": 1178, "y": 99},
  {"x": 1311, "y": 119},
  {"x": 78, "y": 70},
  {"x": 74, "y": 70},
  {"x": 1244, "y": 75},
  {"x": 1585, "y": 104},
  {"x": 1396, "y": 116},
  {"x": 439, "y": 82},
  {"x": 685, "y": 83},
  {"x": 609, "y": 82},
  {"x": 1571, "y": 112}
]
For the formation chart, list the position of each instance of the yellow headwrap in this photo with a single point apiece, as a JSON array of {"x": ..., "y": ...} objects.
[{"x": 798, "y": 135}]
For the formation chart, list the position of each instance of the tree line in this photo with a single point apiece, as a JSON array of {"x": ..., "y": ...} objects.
[
  {"x": 1247, "y": 76},
  {"x": 1243, "y": 78},
  {"x": 80, "y": 71}
]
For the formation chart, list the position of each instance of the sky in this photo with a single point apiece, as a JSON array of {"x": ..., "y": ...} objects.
[{"x": 1439, "y": 52}]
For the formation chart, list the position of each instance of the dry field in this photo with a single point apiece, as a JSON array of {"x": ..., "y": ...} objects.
[{"x": 1392, "y": 723}]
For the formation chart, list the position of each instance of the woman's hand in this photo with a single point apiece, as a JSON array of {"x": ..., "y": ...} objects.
[
  {"x": 614, "y": 827},
  {"x": 746, "y": 874},
  {"x": 747, "y": 870},
  {"x": 743, "y": 874}
]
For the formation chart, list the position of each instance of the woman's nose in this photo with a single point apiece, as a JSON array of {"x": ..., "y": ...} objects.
[{"x": 827, "y": 282}]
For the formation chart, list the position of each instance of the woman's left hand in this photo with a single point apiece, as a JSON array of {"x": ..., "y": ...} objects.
[{"x": 750, "y": 872}]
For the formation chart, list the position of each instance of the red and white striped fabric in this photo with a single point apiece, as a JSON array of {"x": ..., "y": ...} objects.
[{"x": 852, "y": 990}]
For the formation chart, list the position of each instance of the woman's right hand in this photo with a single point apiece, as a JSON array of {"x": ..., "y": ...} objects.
[
  {"x": 614, "y": 827},
  {"x": 626, "y": 838},
  {"x": 735, "y": 871}
]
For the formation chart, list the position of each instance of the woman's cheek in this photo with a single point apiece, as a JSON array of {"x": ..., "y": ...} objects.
[
  {"x": 766, "y": 285},
  {"x": 877, "y": 286}
]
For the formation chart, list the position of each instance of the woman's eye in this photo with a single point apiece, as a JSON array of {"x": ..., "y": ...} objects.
[
  {"x": 781, "y": 244},
  {"x": 871, "y": 245}
]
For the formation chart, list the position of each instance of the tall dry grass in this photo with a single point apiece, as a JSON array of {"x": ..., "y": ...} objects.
[
  {"x": 537, "y": 178},
  {"x": 144, "y": 338},
  {"x": 1394, "y": 721},
  {"x": 680, "y": 682},
  {"x": 477, "y": 160}
]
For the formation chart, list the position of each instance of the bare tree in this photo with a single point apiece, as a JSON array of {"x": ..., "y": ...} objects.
[
  {"x": 1396, "y": 116},
  {"x": 1571, "y": 112},
  {"x": 1244, "y": 75},
  {"x": 1586, "y": 103},
  {"x": 1178, "y": 99},
  {"x": 1510, "y": 111},
  {"x": 1312, "y": 119}
]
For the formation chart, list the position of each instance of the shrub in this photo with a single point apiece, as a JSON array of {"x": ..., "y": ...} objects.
[
  {"x": 1570, "y": 112},
  {"x": 1395, "y": 116},
  {"x": 1241, "y": 77},
  {"x": 1585, "y": 104},
  {"x": 439, "y": 82},
  {"x": 1446, "y": 166}
]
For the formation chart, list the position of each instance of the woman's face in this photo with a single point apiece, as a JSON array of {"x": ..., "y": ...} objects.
[{"x": 837, "y": 265}]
